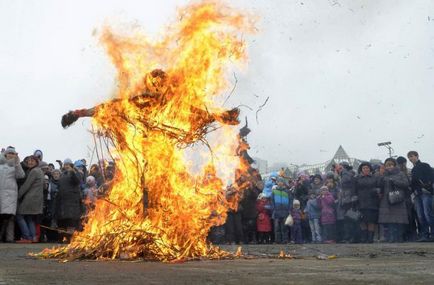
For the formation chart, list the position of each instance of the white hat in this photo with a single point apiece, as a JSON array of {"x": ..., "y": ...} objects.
[{"x": 10, "y": 149}]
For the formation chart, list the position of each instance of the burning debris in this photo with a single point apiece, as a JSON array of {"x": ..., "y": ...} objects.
[{"x": 155, "y": 117}]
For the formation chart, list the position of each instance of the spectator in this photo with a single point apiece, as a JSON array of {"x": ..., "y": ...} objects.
[
  {"x": 410, "y": 231},
  {"x": 393, "y": 214},
  {"x": 31, "y": 199},
  {"x": 68, "y": 203},
  {"x": 281, "y": 205},
  {"x": 10, "y": 171},
  {"x": 367, "y": 191},
  {"x": 422, "y": 178},
  {"x": 249, "y": 212},
  {"x": 296, "y": 231},
  {"x": 96, "y": 172},
  {"x": 314, "y": 214},
  {"x": 234, "y": 225},
  {"x": 316, "y": 184},
  {"x": 328, "y": 217},
  {"x": 263, "y": 221},
  {"x": 347, "y": 186}
]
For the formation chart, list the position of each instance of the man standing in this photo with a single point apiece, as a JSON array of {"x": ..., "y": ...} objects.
[{"x": 422, "y": 185}]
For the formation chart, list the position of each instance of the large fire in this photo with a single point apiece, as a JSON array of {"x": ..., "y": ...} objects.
[{"x": 169, "y": 99}]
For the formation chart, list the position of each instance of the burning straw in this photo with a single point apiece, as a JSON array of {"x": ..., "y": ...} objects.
[{"x": 167, "y": 101}]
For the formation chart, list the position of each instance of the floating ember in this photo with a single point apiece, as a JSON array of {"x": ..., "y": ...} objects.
[{"x": 168, "y": 100}]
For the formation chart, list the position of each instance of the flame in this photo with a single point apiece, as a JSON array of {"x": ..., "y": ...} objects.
[{"x": 169, "y": 98}]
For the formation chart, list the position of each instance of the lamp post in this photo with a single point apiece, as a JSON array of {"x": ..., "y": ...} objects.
[{"x": 387, "y": 145}]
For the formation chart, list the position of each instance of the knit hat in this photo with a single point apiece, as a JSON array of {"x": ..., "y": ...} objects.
[
  {"x": 10, "y": 149},
  {"x": 38, "y": 154},
  {"x": 78, "y": 163},
  {"x": 296, "y": 202},
  {"x": 401, "y": 160},
  {"x": 68, "y": 161},
  {"x": 330, "y": 174},
  {"x": 90, "y": 180}
]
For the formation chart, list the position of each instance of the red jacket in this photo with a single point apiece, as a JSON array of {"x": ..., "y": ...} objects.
[{"x": 263, "y": 221}]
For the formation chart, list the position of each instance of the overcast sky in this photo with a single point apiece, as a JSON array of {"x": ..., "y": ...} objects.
[{"x": 353, "y": 73}]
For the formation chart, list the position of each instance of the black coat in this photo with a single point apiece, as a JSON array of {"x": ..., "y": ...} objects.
[
  {"x": 68, "y": 203},
  {"x": 422, "y": 176},
  {"x": 366, "y": 191},
  {"x": 248, "y": 203}
]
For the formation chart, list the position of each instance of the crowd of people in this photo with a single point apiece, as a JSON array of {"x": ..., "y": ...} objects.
[
  {"x": 374, "y": 203},
  {"x": 42, "y": 203},
  {"x": 385, "y": 202}
]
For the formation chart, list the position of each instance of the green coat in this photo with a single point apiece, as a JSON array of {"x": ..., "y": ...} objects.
[{"x": 31, "y": 193}]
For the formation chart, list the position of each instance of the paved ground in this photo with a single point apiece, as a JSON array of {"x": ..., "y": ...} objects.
[{"x": 410, "y": 263}]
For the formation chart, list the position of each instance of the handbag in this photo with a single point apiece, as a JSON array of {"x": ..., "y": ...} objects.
[
  {"x": 289, "y": 221},
  {"x": 395, "y": 196},
  {"x": 353, "y": 215}
]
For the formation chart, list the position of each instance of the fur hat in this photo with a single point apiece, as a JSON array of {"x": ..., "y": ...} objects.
[
  {"x": 10, "y": 149},
  {"x": 317, "y": 176},
  {"x": 365, "y": 163}
]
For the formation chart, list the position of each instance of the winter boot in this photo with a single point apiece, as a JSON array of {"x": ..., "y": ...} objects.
[
  {"x": 370, "y": 237},
  {"x": 363, "y": 236}
]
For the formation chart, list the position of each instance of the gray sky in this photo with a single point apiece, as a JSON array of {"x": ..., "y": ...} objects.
[{"x": 337, "y": 72}]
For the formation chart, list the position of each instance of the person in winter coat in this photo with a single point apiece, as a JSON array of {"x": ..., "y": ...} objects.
[
  {"x": 90, "y": 193},
  {"x": 10, "y": 171},
  {"x": 347, "y": 191},
  {"x": 95, "y": 171},
  {"x": 328, "y": 218},
  {"x": 422, "y": 179},
  {"x": 30, "y": 201},
  {"x": 269, "y": 184},
  {"x": 314, "y": 214},
  {"x": 263, "y": 221},
  {"x": 316, "y": 184},
  {"x": 281, "y": 204},
  {"x": 296, "y": 230},
  {"x": 68, "y": 203},
  {"x": 367, "y": 191},
  {"x": 249, "y": 213},
  {"x": 394, "y": 215},
  {"x": 410, "y": 231}
]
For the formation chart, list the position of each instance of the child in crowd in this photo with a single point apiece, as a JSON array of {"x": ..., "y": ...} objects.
[
  {"x": 90, "y": 194},
  {"x": 281, "y": 206},
  {"x": 263, "y": 221},
  {"x": 296, "y": 231},
  {"x": 328, "y": 218},
  {"x": 314, "y": 214}
]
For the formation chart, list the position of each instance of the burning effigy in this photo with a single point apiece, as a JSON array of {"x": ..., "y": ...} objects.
[{"x": 168, "y": 100}]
